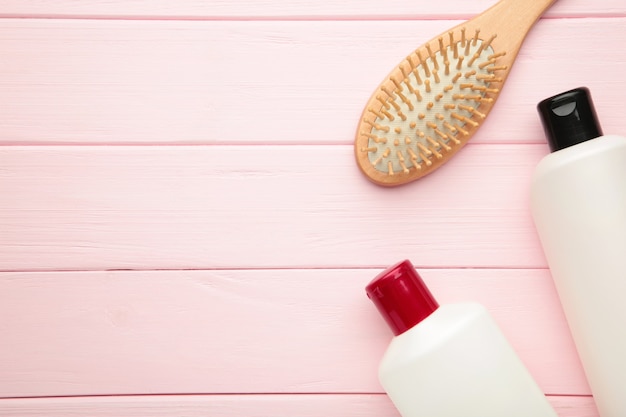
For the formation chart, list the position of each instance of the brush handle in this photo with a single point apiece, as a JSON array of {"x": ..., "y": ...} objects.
[{"x": 511, "y": 20}]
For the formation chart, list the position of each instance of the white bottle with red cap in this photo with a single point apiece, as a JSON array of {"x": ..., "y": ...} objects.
[
  {"x": 449, "y": 360},
  {"x": 578, "y": 203}
]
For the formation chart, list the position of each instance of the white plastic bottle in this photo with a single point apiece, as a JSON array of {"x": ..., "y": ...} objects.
[
  {"x": 450, "y": 360},
  {"x": 578, "y": 202}
]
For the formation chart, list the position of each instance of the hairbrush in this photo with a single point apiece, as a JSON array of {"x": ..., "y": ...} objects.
[{"x": 433, "y": 102}]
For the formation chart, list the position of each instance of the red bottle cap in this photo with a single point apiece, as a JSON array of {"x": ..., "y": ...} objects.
[{"x": 401, "y": 297}]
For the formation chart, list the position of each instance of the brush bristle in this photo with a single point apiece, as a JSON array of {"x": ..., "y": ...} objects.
[{"x": 430, "y": 105}]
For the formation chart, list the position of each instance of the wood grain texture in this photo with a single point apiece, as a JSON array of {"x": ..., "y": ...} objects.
[
  {"x": 354, "y": 405},
  {"x": 247, "y": 82},
  {"x": 99, "y": 208},
  {"x": 245, "y": 331},
  {"x": 301, "y": 9}
]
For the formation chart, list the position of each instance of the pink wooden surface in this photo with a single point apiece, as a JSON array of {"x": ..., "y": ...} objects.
[
  {"x": 300, "y": 9},
  {"x": 313, "y": 405},
  {"x": 183, "y": 230},
  {"x": 259, "y": 206},
  {"x": 261, "y": 82},
  {"x": 227, "y": 331}
]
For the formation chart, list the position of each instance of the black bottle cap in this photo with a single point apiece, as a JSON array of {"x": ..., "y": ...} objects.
[{"x": 569, "y": 118}]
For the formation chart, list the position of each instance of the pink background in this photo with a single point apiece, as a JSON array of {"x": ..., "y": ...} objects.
[{"x": 183, "y": 228}]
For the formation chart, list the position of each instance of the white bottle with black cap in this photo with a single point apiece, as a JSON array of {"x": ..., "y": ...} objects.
[{"x": 578, "y": 202}]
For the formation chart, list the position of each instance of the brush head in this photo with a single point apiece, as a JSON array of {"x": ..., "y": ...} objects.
[{"x": 429, "y": 107}]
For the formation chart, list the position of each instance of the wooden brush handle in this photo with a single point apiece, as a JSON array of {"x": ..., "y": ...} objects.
[{"x": 511, "y": 20}]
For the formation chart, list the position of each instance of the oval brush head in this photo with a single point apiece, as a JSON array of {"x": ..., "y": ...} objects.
[{"x": 432, "y": 103}]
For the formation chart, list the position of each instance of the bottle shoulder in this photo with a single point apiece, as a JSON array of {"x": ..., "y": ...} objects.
[
  {"x": 591, "y": 149},
  {"x": 437, "y": 329},
  {"x": 462, "y": 354},
  {"x": 596, "y": 151}
]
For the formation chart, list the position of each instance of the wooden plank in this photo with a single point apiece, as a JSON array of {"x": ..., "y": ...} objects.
[
  {"x": 245, "y": 331},
  {"x": 355, "y": 405},
  {"x": 244, "y": 82},
  {"x": 303, "y": 9},
  {"x": 99, "y": 208}
]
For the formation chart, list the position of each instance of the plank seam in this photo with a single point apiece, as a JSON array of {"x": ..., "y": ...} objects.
[{"x": 328, "y": 18}]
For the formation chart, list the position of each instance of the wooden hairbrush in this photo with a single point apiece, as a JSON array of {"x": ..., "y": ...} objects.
[{"x": 433, "y": 102}]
